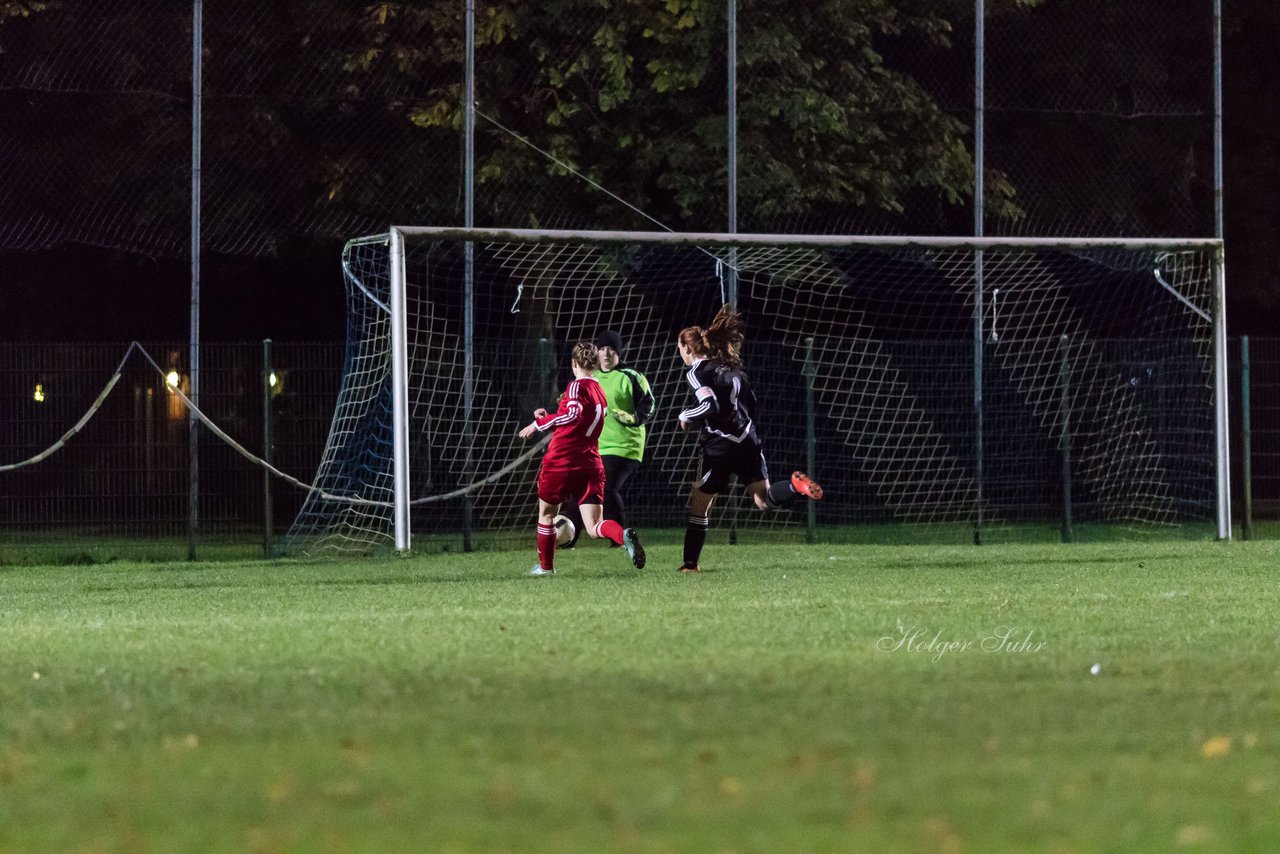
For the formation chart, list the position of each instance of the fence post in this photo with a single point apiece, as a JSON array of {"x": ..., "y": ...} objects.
[
  {"x": 267, "y": 376},
  {"x": 469, "y": 300},
  {"x": 811, "y": 436},
  {"x": 979, "y": 229},
  {"x": 546, "y": 366},
  {"x": 193, "y": 392},
  {"x": 1064, "y": 385},
  {"x": 732, "y": 165},
  {"x": 1246, "y": 441}
]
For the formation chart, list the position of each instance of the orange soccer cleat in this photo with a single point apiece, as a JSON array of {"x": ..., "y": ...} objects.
[
  {"x": 689, "y": 567},
  {"x": 802, "y": 484}
]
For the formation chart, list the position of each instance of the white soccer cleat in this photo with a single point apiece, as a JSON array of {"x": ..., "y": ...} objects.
[
  {"x": 635, "y": 551},
  {"x": 538, "y": 570}
]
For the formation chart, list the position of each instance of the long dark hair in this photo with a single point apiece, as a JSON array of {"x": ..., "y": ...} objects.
[{"x": 722, "y": 340}]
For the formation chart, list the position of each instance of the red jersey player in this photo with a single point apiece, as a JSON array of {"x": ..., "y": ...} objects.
[{"x": 571, "y": 467}]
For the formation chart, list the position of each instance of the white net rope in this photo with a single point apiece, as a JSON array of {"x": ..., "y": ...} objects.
[{"x": 1104, "y": 351}]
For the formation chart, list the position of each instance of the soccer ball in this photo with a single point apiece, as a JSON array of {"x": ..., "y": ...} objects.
[{"x": 565, "y": 530}]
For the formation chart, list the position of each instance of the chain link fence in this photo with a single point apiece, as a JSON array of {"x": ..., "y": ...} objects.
[
  {"x": 120, "y": 486},
  {"x": 1257, "y": 414},
  {"x": 323, "y": 120}
]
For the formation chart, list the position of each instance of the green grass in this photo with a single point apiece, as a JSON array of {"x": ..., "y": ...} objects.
[
  {"x": 72, "y": 547},
  {"x": 447, "y": 702}
]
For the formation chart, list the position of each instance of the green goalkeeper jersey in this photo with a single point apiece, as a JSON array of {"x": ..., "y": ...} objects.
[{"x": 631, "y": 406}]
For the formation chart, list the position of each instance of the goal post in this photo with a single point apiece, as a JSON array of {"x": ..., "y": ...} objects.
[
  {"x": 1222, "y": 418},
  {"x": 399, "y": 392},
  {"x": 1095, "y": 367}
]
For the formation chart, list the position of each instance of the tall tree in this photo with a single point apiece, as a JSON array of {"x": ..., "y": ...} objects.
[{"x": 632, "y": 94}]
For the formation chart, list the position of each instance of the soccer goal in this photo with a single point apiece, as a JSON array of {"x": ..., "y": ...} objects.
[{"x": 983, "y": 384}]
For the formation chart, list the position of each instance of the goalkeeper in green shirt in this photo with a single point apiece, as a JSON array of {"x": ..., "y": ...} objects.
[{"x": 631, "y": 407}]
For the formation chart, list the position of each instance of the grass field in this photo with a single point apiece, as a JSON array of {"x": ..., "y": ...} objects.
[
  {"x": 71, "y": 547},
  {"x": 800, "y": 698}
]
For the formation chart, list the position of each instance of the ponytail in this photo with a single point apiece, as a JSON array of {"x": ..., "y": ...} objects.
[{"x": 724, "y": 337}]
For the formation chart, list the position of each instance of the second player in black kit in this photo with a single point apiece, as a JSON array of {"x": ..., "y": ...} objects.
[{"x": 724, "y": 407}]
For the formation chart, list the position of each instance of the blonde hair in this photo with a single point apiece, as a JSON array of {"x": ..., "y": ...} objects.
[
  {"x": 722, "y": 340},
  {"x": 586, "y": 356}
]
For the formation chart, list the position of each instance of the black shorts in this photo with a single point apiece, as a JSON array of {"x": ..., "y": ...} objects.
[{"x": 722, "y": 460}]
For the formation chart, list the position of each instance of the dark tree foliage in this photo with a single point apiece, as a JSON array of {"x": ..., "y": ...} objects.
[
  {"x": 324, "y": 119},
  {"x": 322, "y": 116}
]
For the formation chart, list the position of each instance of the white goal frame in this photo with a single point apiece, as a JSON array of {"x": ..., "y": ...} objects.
[{"x": 397, "y": 236}]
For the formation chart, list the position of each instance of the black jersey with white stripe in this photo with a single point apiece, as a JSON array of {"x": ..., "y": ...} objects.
[{"x": 723, "y": 402}]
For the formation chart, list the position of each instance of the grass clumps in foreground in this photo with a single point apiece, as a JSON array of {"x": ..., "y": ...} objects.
[{"x": 799, "y": 698}]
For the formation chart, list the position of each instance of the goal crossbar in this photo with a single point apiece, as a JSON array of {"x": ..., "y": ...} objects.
[{"x": 824, "y": 241}]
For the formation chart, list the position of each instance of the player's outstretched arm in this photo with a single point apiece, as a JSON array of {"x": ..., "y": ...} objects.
[{"x": 529, "y": 429}]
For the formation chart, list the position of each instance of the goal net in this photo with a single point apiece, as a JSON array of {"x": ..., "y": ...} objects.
[{"x": 985, "y": 387}]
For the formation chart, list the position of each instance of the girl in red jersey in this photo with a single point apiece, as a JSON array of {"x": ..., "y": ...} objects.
[{"x": 571, "y": 466}]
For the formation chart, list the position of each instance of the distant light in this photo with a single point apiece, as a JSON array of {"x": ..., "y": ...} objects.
[
  {"x": 172, "y": 379},
  {"x": 272, "y": 379},
  {"x": 38, "y": 397}
]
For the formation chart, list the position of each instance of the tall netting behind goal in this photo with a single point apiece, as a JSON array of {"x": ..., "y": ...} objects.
[{"x": 928, "y": 384}]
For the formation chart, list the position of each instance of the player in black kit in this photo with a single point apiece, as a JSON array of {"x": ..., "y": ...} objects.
[{"x": 725, "y": 407}]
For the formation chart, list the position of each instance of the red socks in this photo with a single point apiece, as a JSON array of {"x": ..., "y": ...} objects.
[
  {"x": 547, "y": 546},
  {"x": 611, "y": 531}
]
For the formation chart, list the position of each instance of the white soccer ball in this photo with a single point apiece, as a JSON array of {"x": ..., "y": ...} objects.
[{"x": 565, "y": 530}]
